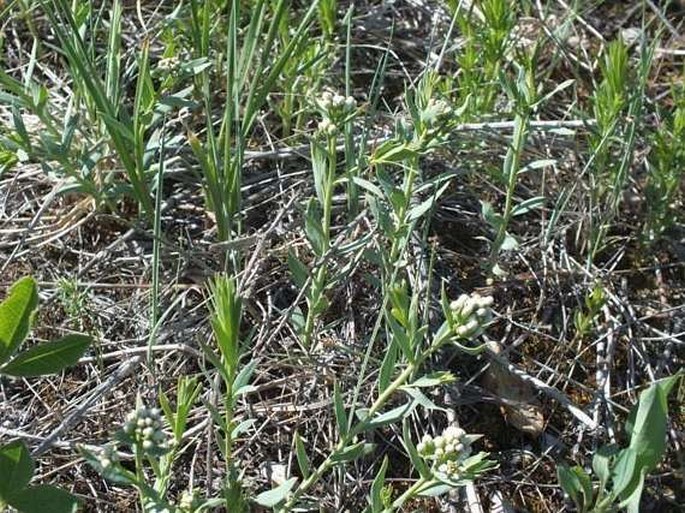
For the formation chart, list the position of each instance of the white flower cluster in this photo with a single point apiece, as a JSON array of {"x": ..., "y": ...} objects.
[
  {"x": 144, "y": 425},
  {"x": 326, "y": 126},
  {"x": 190, "y": 501},
  {"x": 470, "y": 314},
  {"x": 436, "y": 112},
  {"x": 335, "y": 108},
  {"x": 441, "y": 107},
  {"x": 335, "y": 103},
  {"x": 108, "y": 456},
  {"x": 447, "y": 450}
]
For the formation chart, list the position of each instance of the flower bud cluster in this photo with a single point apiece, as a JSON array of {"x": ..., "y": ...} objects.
[
  {"x": 144, "y": 426},
  {"x": 447, "y": 450},
  {"x": 435, "y": 113},
  {"x": 327, "y": 127},
  {"x": 190, "y": 501},
  {"x": 107, "y": 456},
  {"x": 334, "y": 103},
  {"x": 441, "y": 107},
  {"x": 335, "y": 109},
  {"x": 470, "y": 314}
]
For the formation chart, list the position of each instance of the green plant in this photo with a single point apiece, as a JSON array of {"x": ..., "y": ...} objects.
[
  {"x": 337, "y": 112},
  {"x": 411, "y": 346},
  {"x": 235, "y": 375},
  {"x": 622, "y": 472},
  {"x": 618, "y": 109},
  {"x": 16, "y": 465},
  {"x": 666, "y": 169},
  {"x": 522, "y": 92},
  {"x": 16, "y": 316},
  {"x": 584, "y": 317},
  {"x": 97, "y": 128},
  {"x": 248, "y": 78},
  {"x": 488, "y": 40},
  {"x": 16, "y": 471},
  {"x": 153, "y": 449},
  {"x": 74, "y": 300}
]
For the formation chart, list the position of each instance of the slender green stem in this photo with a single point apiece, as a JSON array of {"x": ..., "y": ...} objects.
[
  {"x": 319, "y": 279},
  {"x": 511, "y": 170},
  {"x": 408, "y": 494},
  {"x": 140, "y": 473},
  {"x": 329, "y": 462}
]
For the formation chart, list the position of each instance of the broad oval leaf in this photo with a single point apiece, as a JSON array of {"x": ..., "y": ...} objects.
[
  {"x": 45, "y": 499},
  {"x": 49, "y": 357},
  {"x": 624, "y": 474},
  {"x": 601, "y": 464},
  {"x": 15, "y": 316},
  {"x": 16, "y": 469},
  {"x": 568, "y": 481},
  {"x": 648, "y": 433}
]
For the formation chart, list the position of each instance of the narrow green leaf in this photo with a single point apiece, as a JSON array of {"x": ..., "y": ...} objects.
[
  {"x": 314, "y": 229},
  {"x": 391, "y": 416},
  {"x": 434, "y": 379},
  {"x": 48, "y": 358},
  {"x": 417, "y": 461},
  {"x": 368, "y": 186},
  {"x": 435, "y": 488},
  {"x": 298, "y": 270},
  {"x": 16, "y": 469},
  {"x": 340, "y": 413},
  {"x": 399, "y": 336},
  {"x": 272, "y": 498},
  {"x": 377, "y": 488},
  {"x": 494, "y": 219},
  {"x": 387, "y": 367},
  {"x": 242, "y": 427},
  {"x": 352, "y": 452},
  {"x": 527, "y": 205},
  {"x": 15, "y": 316},
  {"x": 420, "y": 398},
  {"x": 420, "y": 210},
  {"x": 302, "y": 458},
  {"x": 244, "y": 375}
]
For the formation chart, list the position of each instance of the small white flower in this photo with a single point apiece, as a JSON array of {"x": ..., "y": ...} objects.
[
  {"x": 472, "y": 325},
  {"x": 487, "y": 301},
  {"x": 338, "y": 101},
  {"x": 468, "y": 308}
]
